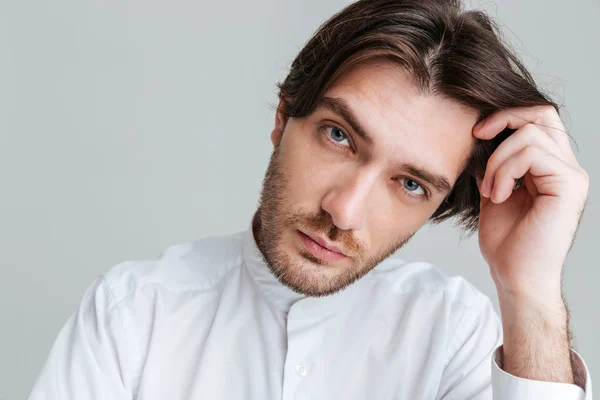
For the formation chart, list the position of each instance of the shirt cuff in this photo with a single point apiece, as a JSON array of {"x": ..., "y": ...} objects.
[{"x": 506, "y": 386}]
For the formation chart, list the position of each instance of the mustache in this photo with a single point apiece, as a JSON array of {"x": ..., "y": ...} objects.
[{"x": 322, "y": 223}]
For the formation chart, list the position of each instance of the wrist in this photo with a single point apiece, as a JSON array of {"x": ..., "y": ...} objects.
[
  {"x": 531, "y": 294},
  {"x": 521, "y": 309}
]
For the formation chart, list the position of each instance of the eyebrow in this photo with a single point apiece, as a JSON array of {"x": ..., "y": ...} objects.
[
  {"x": 439, "y": 182},
  {"x": 339, "y": 106}
]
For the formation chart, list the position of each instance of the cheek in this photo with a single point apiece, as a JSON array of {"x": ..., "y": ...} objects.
[
  {"x": 306, "y": 169},
  {"x": 308, "y": 182},
  {"x": 389, "y": 223},
  {"x": 403, "y": 221}
]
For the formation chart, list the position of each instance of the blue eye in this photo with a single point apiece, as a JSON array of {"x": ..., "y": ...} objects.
[
  {"x": 337, "y": 135},
  {"x": 412, "y": 186}
]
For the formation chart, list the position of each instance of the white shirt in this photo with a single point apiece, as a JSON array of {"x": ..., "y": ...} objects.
[{"x": 208, "y": 320}]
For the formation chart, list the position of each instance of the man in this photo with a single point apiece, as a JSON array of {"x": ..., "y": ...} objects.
[{"x": 394, "y": 113}]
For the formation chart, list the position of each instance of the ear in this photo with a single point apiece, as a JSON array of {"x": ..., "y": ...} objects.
[{"x": 280, "y": 123}]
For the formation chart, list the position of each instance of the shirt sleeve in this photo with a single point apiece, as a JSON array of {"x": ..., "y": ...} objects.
[
  {"x": 507, "y": 386},
  {"x": 473, "y": 370},
  {"x": 93, "y": 356}
]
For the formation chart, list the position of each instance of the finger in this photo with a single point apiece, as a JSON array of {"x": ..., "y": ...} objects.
[
  {"x": 531, "y": 159},
  {"x": 530, "y": 185},
  {"x": 545, "y": 117},
  {"x": 478, "y": 182},
  {"x": 528, "y": 135}
]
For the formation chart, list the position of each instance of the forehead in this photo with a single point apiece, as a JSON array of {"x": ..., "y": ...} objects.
[{"x": 406, "y": 125}]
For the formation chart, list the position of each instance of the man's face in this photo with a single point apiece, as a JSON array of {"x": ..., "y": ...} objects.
[{"x": 352, "y": 182}]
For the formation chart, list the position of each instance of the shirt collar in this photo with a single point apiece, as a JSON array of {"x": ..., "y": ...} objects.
[{"x": 282, "y": 296}]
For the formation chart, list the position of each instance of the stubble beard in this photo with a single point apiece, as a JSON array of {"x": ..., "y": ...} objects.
[{"x": 307, "y": 274}]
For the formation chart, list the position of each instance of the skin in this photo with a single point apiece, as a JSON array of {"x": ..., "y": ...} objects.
[
  {"x": 324, "y": 175},
  {"x": 325, "y": 179},
  {"x": 525, "y": 236}
]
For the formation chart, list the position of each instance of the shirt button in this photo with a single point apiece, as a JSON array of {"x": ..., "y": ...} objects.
[{"x": 301, "y": 370}]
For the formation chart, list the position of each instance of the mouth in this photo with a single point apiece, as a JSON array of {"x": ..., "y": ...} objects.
[{"x": 320, "y": 249}]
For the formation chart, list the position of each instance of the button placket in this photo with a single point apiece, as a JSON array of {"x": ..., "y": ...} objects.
[{"x": 301, "y": 343}]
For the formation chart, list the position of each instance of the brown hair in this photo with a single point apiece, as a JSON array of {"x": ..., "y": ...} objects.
[{"x": 450, "y": 52}]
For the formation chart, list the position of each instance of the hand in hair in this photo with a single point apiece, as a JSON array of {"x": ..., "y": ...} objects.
[{"x": 526, "y": 231}]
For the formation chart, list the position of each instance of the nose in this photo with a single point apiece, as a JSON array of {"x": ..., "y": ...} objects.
[{"x": 348, "y": 199}]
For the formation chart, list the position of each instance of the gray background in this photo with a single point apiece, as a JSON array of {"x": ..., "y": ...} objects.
[{"x": 126, "y": 127}]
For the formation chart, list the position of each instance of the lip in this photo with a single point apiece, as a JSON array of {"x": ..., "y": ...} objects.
[{"x": 319, "y": 248}]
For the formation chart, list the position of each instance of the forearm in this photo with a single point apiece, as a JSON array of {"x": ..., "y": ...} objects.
[{"x": 536, "y": 338}]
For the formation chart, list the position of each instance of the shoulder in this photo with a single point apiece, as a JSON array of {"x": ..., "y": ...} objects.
[
  {"x": 396, "y": 278},
  {"x": 195, "y": 265},
  {"x": 421, "y": 295}
]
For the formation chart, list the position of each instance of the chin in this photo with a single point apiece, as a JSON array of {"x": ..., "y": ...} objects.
[{"x": 312, "y": 277}]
